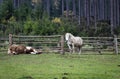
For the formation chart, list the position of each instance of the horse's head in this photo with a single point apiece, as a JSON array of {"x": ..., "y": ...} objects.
[
  {"x": 12, "y": 49},
  {"x": 68, "y": 36}
]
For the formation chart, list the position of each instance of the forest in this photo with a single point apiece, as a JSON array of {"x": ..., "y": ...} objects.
[{"x": 52, "y": 17}]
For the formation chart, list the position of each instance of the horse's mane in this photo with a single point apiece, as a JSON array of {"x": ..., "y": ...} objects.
[
  {"x": 69, "y": 34},
  {"x": 72, "y": 36}
]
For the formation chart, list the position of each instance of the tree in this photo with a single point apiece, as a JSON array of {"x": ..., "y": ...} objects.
[
  {"x": 118, "y": 12},
  {"x": 114, "y": 13},
  {"x": 102, "y": 11},
  {"x": 79, "y": 10},
  {"x": 87, "y": 12},
  {"x": 38, "y": 11},
  {"x": 6, "y": 10},
  {"x": 67, "y": 8},
  {"x": 23, "y": 11},
  {"x": 55, "y": 8},
  {"x": 74, "y": 7},
  {"x": 48, "y": 7},
  {"x": 112, "y": 22},
  {"x": 62, "y": 7},
  {"x": 95, "y": 14}
]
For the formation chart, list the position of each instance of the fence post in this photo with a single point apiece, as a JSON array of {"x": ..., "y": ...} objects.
[
  {"x": 115, "y": 44},
  {"x": 10, "y": 39},
  {"x": 62, "y": 44}
]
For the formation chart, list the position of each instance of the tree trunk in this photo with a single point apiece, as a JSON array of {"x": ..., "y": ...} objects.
[
  {"x": 85, "y": 8},
  {"x": 14, "y": 3},
  {"x": 48, "y": 7},
  {"x": 87, "y": 12},
  {"x": 79, "y": 11},
  {"x": 106, "y": 3},
  {"x": 74, "y": 8},
  {"x": 62, "y": 7},
  {"x": 115, "y": 13},
  {"x": 102, "y": 9},
  {"x": 67, "y": 8},
  {"x": 18, "y": 3},
  {"x": 95, "y": 14},
  {"x": 98, "y": 9},
  {"x": 112, "y": 22},
  {"x": 118, "y": 12}
]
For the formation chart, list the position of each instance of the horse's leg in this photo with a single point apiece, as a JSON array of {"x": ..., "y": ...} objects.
[
  {"x": 73, "y": 47},
  {"x": 79, "y": 50},
  {"x": 69, "y": 47}
]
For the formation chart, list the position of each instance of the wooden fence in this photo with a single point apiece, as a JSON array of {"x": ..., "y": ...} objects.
[
  {"x": 53, "y": 43},
  {"x": 4, "y": 43},
  {"x": 56, "y": 43},
  {"x": 101, "y": 44}
]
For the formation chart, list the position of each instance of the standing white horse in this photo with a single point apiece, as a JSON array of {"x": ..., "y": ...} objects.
[{"x": 73, "y": 42}]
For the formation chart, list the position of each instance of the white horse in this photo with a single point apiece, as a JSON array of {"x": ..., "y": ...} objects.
[{"x": 73, "y": 42}]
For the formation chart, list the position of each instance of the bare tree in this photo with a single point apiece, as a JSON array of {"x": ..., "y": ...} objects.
[
  {"x": 115, "y": 12},
  {"x": 67, "y": 8},
  {"x": 87, "y": 12},
  {"x": 74, "y": 7},
  {"x": 112, "y": 22},
  {"x": 118, "y": 12},
  {"x": 79, "y": 11},
  {"x": 95, "y": 14},
  {"x": 102, "y": 4}
]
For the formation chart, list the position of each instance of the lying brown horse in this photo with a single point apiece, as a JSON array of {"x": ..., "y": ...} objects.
[{"x": 21, "y": 49}]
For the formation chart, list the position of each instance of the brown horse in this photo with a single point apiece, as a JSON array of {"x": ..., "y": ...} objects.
[{"x": 21, "y": 49}]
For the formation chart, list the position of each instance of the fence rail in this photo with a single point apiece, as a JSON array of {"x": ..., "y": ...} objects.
[
  {"x": 49, "y": 43},
  {"x": 102, "y": 43},
  {"x": 57, "y": 43}
]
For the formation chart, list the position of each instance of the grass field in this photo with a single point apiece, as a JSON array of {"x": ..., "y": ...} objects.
[{"x": 56, "y": 66}]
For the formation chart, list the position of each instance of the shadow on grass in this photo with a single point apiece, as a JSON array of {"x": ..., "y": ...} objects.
[{"x": 26, "y": 77}]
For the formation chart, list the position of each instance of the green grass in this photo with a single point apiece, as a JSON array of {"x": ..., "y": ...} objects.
[{"x": 56, "y": 66}]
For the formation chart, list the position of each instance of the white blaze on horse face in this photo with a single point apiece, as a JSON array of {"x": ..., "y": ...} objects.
[
  {"x": 14, "y": 52},
  {"x": 66, "y": 36}
]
